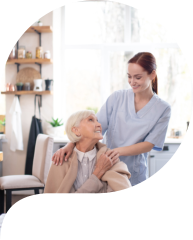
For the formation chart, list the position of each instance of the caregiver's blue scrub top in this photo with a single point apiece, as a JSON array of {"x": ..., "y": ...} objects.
[{"x": 125, "y": 127}]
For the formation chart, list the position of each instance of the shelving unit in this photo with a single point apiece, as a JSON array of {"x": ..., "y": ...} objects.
[
  {"x": 29, "y": 61},
  {"x": 40, "y": 29},
  {"x": 37, "y": 30},
  {"x": 28, "y": 92},
  {"x": 36, "y": 93}
]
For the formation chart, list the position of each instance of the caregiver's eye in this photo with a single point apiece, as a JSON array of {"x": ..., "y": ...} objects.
[{"x": 138, "y": 78}]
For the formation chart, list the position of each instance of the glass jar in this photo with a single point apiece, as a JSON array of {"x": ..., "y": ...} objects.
[
  {"x": 39, "y": 52},
  {"x": 27, "y": 86},
  {"x": 28, "y": 54},
  {"x": 21, "y": 52},
  {"x": 47, "y": 54},
  {"x": 12, "y": 55}
]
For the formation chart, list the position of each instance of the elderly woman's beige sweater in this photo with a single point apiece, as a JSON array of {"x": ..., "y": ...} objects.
[{"x": 61, "y": 178}]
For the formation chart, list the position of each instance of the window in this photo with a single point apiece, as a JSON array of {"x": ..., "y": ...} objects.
[
  {"x": 144, "y": 29},
  {"x": 83, "y": 68},
  {"x": 99, "y": 38},
  {"x": 94, "y": 23}
]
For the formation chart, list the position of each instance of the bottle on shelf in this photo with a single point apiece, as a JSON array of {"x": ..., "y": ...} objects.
[
  {"x": 47, "y": 54},
  {"x": 28, "y": 54},
  {"x": 39, "y": 52},
  {"x": 21, "y": 52}
]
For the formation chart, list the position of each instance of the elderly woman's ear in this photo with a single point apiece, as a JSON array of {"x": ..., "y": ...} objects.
[{"x": 76, "y": 131}]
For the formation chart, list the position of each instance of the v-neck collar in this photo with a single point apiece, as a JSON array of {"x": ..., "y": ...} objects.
[{"x": 145, "y": 109}]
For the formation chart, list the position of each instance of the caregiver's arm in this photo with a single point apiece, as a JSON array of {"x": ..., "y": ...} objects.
[
  {"x": 135, "y": 149},
  {"x": 58, "y": 156}
]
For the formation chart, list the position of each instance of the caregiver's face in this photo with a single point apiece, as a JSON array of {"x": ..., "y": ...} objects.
[
  {"x": 90, "y": 128},
  {"x": 138, "y": 78}
]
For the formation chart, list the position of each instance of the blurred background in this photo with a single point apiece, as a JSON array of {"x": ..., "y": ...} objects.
[
  {"x": 90, "y": 44},
  {"x": 96, "y": 41}
]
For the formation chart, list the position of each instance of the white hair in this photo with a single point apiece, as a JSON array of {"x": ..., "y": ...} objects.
[{"x": 74, "y": 121}]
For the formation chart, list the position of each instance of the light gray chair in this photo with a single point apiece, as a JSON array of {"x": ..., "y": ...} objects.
[{"x": 36, "y": 181}]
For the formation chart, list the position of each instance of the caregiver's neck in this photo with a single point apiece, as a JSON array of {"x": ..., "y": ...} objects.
[
  {"x": 144, "y": 95},
  {"x": 86, "y": 145}
]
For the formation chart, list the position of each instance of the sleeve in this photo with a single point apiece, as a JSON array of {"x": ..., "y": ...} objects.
[
  {"x": 158, "y": 133},
  {"x": 109, "y": 189},
  {"x": 92, "y": 185},
  {"x": 105, "y": 112}
]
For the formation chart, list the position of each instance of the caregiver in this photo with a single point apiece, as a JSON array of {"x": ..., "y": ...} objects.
[{"x": 135, "y": 120}]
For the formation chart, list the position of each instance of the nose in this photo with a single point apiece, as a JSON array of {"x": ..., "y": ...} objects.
[
  {"x": 131, "y": 81},
  {"x": 98, "y": 124}
]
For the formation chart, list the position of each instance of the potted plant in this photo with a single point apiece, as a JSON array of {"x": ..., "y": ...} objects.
[
  {"x": 55, "y": 128},
  {"x": 19, "y": 86},
  {"x": 39, "y": 23},
  {"x": 2, "y": 126}
]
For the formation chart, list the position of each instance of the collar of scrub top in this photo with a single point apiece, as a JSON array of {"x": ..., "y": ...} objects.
[
  {"x": 90, "y": 154},
  {"x": 141, "y": 113}
]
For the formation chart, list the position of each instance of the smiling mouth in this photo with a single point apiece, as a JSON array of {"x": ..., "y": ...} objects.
[
  {"x": 98, "y": 131},
  {"x": 135, "y": 87}
]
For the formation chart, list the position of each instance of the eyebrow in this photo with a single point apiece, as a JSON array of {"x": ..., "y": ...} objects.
[
  {"x": 93, "y": 117},
  {"x": 135, "y": 74}
]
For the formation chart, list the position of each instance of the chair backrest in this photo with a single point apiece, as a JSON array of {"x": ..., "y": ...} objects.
[{"x": 42, "y": 157}]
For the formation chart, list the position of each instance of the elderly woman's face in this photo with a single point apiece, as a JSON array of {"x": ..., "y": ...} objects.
[{"x": 90, "y": 128}]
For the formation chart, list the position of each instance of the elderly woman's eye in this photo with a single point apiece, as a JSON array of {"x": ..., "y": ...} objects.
[{"x": 91, "y": 119}]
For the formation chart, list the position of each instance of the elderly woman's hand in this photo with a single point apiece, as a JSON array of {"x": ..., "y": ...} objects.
[
  {"x": 104, "y": 163},
  {"x": 58, "y": 156}
]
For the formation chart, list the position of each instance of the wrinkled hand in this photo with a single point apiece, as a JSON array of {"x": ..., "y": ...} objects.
[
  {"x": 104, "y": 163},
  {"x": 59, "y": 155}
]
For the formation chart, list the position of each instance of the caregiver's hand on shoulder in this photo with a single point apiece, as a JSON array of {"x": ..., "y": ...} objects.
[
  {"x": 113, "y": 154},
  {"x": 58, "y": 156},
  {"x": 104, "y": 163}
]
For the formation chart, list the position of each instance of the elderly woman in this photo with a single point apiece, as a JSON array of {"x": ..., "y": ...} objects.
[{"x": 89, "y": 169}]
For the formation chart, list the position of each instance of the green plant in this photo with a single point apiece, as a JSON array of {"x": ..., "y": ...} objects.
[
  {"x": 56, "y": 123},
  {"x": 19, "y": 84},
  {"x": 2, "y": 122},
  {"x": 95, "y": 109}
]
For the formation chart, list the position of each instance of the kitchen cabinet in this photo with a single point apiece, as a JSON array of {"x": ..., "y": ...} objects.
[{"x": 157, "y": 159}]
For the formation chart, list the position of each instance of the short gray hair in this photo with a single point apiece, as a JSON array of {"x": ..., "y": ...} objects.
[{"x": 74, "y": 121}]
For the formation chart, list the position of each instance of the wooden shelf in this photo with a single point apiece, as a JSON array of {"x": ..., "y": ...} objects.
[
  {"x": 29, "y": 92},
  {"x": 29, "y": 61},
  {"x": 40, "y": 29}
]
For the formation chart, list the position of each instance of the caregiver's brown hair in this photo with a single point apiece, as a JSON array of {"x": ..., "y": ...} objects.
[{"x": 147, "y": 61}]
